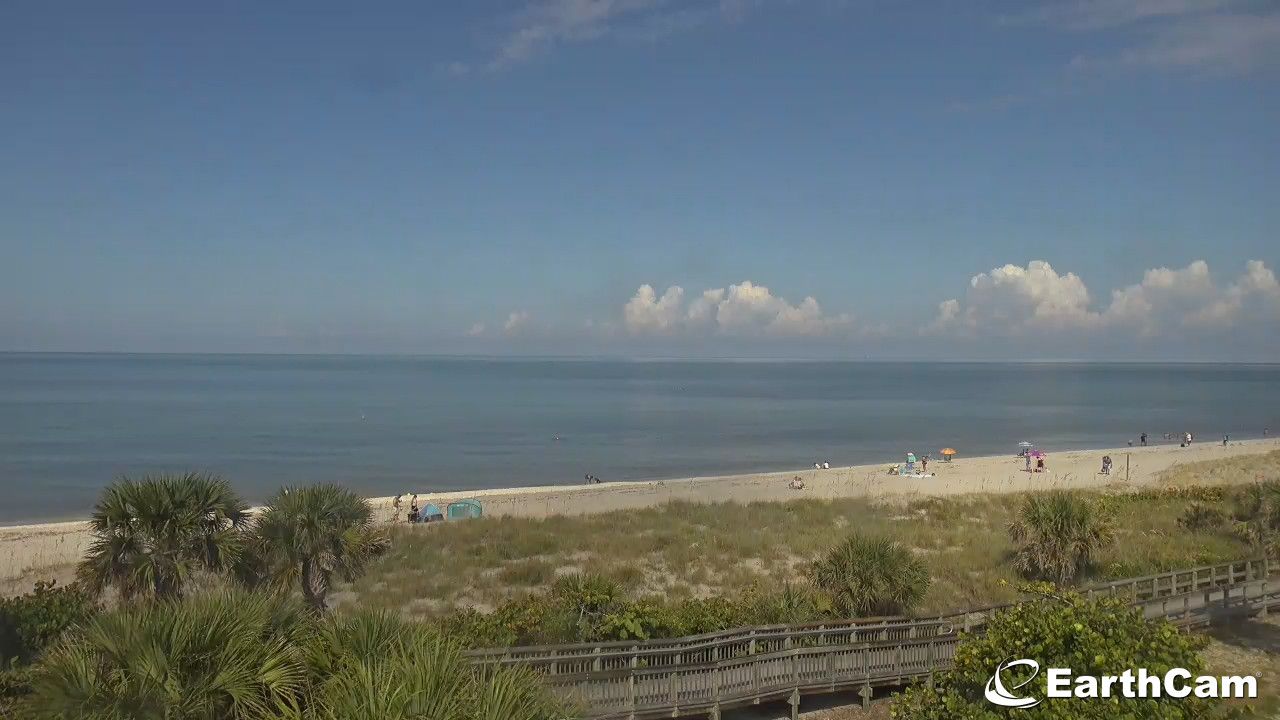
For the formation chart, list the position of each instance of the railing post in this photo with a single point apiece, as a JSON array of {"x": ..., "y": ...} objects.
[{"x": 631, "y": 679}]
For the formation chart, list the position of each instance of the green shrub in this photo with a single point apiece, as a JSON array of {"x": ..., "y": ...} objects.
[
  {"x": 1199, "y": 517},
  {"x": 1090, "y": 637},
  {"x": 28, "y": 623},
  {"x": 1059, "y": 534},
  {"x": 870, "y": 576}
]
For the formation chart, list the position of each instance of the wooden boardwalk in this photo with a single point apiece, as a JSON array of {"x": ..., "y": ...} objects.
[{"x": 704, "y": 674}]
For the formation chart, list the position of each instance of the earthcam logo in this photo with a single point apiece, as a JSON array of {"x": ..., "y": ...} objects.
[
  {"x": 1060, "y": 683},
  {"x": 996, "y": 692}
]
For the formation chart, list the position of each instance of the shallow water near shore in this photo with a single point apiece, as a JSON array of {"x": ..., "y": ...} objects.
[{"x": 70, "y": 423}]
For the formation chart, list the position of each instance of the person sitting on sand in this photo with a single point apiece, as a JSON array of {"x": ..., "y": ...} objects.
[
  {"x": 797, "y": 483},
  {"x": 826, "y": 466}
]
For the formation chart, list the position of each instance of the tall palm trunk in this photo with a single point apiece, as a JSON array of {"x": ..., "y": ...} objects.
[{"x": 315, "y": 587}]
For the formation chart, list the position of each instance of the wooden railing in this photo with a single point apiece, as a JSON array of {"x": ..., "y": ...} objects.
[{"x": 705, "y": 673}]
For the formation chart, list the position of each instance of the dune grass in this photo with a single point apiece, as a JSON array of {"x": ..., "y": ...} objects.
[{"x": 686, "y": 550}]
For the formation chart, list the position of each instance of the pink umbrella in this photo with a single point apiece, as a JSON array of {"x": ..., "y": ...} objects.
[{"x": 1037, "y": 454}]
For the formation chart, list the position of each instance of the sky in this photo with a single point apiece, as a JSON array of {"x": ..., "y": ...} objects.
[{"x": 1088, "y": 179}]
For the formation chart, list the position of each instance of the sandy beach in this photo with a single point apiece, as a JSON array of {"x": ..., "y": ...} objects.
[{"x": 31, "y": 552}]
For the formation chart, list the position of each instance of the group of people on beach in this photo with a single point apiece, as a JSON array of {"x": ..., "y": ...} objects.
[{"x": 415, "y": 514}]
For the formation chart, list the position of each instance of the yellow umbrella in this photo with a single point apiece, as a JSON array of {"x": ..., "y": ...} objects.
[{"x": 948, "y": 452}]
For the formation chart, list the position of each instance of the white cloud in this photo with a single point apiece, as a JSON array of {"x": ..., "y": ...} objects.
[
  {"x": 645, "y": 313},
  {"x": 545, "y": 24},
  {"x": 1222, "y": 43},
  {"x": 516, "y": 321},
  {"x": 475, "y": 330},
  {"x": 741, "y": 310},
  {"x": 1188, "y": 298},
  {"x": 1013, "y": 300},
  {"x": 1098, "y": 14},
  {"x": 1220, "y": 36}
]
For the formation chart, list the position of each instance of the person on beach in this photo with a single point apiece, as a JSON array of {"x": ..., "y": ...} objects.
[
  {"x": 395, "y": 509},
  {"x": 1039, "y": 464},
  {"x": 1028, "y": 457},
  {"x": 1106, "y": 464},
  {"x": 924, "y": 463},
  {"x": 1143, "y": 439},
  {"x": 1224, "y": 440}
]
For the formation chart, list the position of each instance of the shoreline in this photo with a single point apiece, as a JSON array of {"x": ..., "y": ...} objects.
[{"x": 34, "y": 547}]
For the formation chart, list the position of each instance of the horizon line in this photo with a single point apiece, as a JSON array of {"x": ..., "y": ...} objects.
[{"x": 641, "y": 358}]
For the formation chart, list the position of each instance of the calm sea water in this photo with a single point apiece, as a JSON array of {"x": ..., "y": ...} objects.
[{"x": 71, "y": 423}]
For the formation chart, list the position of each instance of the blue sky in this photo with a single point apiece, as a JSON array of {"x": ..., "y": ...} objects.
[{"x": 944, "y": 179}]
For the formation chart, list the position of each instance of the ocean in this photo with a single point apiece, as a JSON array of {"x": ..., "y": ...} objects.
[{"x": 70, "y": 423}]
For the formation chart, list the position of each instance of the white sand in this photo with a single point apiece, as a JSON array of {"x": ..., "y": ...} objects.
[{"x": 27, "y": 551}]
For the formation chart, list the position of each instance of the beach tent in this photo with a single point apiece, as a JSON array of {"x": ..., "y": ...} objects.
[
  {"x": 431, "y": 513},
  {"x": 465, "y": 509}
]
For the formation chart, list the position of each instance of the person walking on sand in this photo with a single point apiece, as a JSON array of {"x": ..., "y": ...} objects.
[
  {"x": 1106, "y": 464},
  {"x": 1028, "y": 456},
  {"x": 924, "y": 463},
  {"x": 1224, "y": 440},
  {"x": 1143, "y": 438}
]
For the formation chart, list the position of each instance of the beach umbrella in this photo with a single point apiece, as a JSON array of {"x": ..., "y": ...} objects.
[
  {"x": 947, "y": 453},
  {"x": 1037, "y": 454},
  {"x": 1025, "y": 444}
]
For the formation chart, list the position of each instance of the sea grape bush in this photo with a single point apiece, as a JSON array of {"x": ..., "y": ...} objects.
[{"x": 1095, "y": 637}]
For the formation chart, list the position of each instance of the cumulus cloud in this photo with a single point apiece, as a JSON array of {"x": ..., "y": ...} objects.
[
  {"x": 1017, "y": 300},
  {"x": 741, "y": 310},
  {"x": 516, "y": 321},
  {"x": 1188, "y": 298},
  {"x": 1013, "y": 299}
]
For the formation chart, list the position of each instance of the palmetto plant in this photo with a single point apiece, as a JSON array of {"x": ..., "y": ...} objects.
[
  {"x": 305, "y": 537},
  {"x": 1058, "y": 533},
  {"x": 870, "y": 576},
  {"x": 375, "y": 666},
  {"x": 224, "y": 655},
  {"x": 151, "y": 535},
  {"x": 233, "y": 655},
  {"x": 1257, "y": 513}
]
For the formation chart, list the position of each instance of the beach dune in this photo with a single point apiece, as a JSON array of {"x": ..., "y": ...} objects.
[{"x": 30, "y": 552}]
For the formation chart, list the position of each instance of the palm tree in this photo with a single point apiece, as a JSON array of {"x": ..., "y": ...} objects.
[
  {"x": 1059, "y": 534},
  {"x": 307, "y": 536},
  {"x": 870, "y": 576},
  {"x": 219, "y": 655},
  {"x": 150, "y": 535},
  {"x": 374, "y": 666}
]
